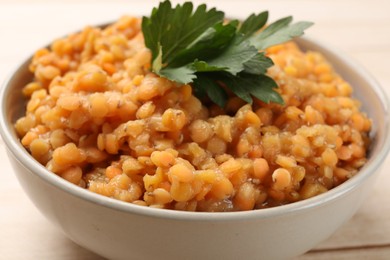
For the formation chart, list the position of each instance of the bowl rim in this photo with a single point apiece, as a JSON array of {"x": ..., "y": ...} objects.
[{"x": 15, "y": 149}]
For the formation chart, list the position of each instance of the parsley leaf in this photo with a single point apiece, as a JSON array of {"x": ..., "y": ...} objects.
[
  {"x": 199, "y": 47},
  {"x": 253, "y": 23},
  {"x": 278, "y": 32},
  {"x": 207, "y": 45},
  {"x": 234, "y": 56},
  {"x": 258, "y": 65},
  {"x": 170, "y": 30},
  {"x": 206, "y": 84},
  {"x": 181, "y": 74}
]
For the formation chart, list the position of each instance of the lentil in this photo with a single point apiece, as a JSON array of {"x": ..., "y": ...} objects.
[{"x": 97, "y": 117}]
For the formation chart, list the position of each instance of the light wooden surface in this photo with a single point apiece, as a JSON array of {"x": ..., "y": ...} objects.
[{"x": 359, "y": 28}]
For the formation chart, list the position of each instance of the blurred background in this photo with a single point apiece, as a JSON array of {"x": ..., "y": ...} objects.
[{"x": 361, "y": 29}]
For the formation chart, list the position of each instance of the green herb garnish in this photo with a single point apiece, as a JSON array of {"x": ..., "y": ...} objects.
[{"x": 199, "y": 47}]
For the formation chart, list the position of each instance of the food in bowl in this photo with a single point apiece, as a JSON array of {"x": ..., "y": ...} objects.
[{"x": 100, "y": 118}]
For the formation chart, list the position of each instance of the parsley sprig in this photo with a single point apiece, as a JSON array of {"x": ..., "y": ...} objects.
[{"x": 199, "y": 47}]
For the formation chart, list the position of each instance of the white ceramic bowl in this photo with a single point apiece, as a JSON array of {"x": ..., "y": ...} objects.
[{"x": 119, "y": 230}]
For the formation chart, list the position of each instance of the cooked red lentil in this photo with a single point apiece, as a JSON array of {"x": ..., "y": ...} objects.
[{"x": 98, "y": 117}]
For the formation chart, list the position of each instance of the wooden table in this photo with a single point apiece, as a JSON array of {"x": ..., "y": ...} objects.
[{"x": 359, "y": 28}]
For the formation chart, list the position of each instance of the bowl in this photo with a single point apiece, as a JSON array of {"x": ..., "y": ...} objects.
[{"x": 119, "y": 230}]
